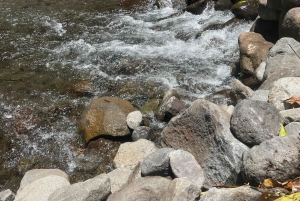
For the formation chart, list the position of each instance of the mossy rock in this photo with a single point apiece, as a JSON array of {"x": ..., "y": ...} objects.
[
  {"x": 245, "y": 9},
  {"x": 153, "y": 105}
]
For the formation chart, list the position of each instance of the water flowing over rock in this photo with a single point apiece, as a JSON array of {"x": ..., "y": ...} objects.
[
  {"x": 204, "y": 131},
  {"x": 253, "y": 122},
  {"x": 145, "y": 188},
  {"x": 277, "y": 158},
  {"x": 105, "y": 116}
]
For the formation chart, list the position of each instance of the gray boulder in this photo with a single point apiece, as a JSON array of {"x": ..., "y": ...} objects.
[
  {"x": 181, "y": 189},
  {"x": 260, "y": 95},
  {"x": 142, "y": 132},
  {"x": 184, "y": 164},
  {"x": 284, "y": 54},
  {"x": 204, "y": 131},
  {"x": 172, "y": 107},
  {"x": 142, "y": 189},
  {"x": 291, "y": 115},
  {"x": 277, "y": 158},
  {"x": 283, "y": 89},
  {"x": 157, "y": 163},
  {"x": 293, "y": 128},
  {"x": 253, "y": 122},
  {"x": 95, "y": 189},
  {"x": 118, "y": 177},
  {"x": 243, "y": 193},
  {"x": 290, "y": 26},
  {"x": 7, "y": 195},
  {"x": 238, "y": 91}
]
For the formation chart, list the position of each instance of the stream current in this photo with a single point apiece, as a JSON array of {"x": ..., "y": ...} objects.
[{"x": 133, "y": 52}]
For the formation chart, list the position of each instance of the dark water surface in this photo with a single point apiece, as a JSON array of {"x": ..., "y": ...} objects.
[{"x": 112, "y": 48}]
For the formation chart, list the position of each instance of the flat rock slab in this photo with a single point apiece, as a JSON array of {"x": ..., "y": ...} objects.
[
  {"x": 184, "y": 164},
  {"x": 260, "y": 95},
  {"x": 118, "y": 177},
  {"x": 277, "y": 158},
  {"x": 293, "y": 129},
  {"x": 95, "y": 189},
  {"x": 142, "y": 189},
  {"x": 204, "y": 130},
  {"x": 131, "y": 153},
  {"x": 243, "y": 193},
  {"x": 42, "y": 188},
  {"x": 253, "y": 121}
]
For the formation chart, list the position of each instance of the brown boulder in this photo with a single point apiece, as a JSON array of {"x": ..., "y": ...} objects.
[
  {"x": 253, "y": 48},
  {"x": 290, "y": 26},
  {"x": 105, "y": 116}
]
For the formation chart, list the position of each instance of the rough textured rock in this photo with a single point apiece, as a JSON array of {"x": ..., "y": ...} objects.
[
  {"x": 283, "y": 89},
  {"x": 293, "y": 128},
  {"x": 42, "y": 188},
  {"x": 7, "y": 195},
  {"x": 95, "y": 189},
  {"x": 142, "y": 132},
  {"x": 172, "y": 107},
  {"x": 291, "y": 115},
  {"x": 259, "y": 72},
  {"x": 245, "y": 9},
  {"x": 285, "y": 72},
  {"x": 260, "y": 95},
  {"x": 35, "y": 174},
  {"x": 243, "y": 193},
  {"x": 253, "y": 122},
  {"x": 290, "y": 26},
  {"x": 181, "y": 189},
  {"x": 118, "y": 178},
  {"x": 134, "y": 119},
  {"x": 266, "y": 13},
  {"x": 283, "y": 55},
  {"x": 239, "y": 91},
  {"x": 131, "y": 153},
  {"x": 267, "y": 28},
  {"x": 184, "y": 164},
  {"x": 253, "y": 48},
  {"x": 203, "y": 130},
  {"x": 223, "y": 5},
  {"x": 142, "y": 189},
  {"x": 135, "y": 174},
  {"x": 105, "y": 116},
  {"x": 169, "y": 94},
  {"x": 157, "y": 163},
  {"x": 277, "y": 158}
]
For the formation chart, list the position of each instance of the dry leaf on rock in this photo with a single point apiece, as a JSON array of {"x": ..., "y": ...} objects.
[{"x": 293, "y": 100}]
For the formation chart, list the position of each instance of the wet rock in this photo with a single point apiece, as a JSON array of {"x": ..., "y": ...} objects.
[
  {"x": 80, "y": 88},
  {"x": 172, "y": 107},
  {"x": 266, "y": 13},
  {"x": 197, "y": 7},
  {"x": 260, "y": 95},
  {"x": 239, "y": 91},
  {"x": 181, "y": 189},
  {"x": 152, "y": 106},
  {"x": 157, "y": 163},
  {"x": 169, "y": 94},
  {"x": 291, "y": 115},
  {"x": 223, "y": 5},
  {"x": 293, "y": 128},
  {"x": 131, "y": 153},
  {"x": 118, "y": 178},
  {"x": 144, "y": 188},
  {"x": 42, "y": 188},
  {"x": 245, "y": 9},
  {"x": 7, "y": 195},
  {"x": 253, "y": 48},
  {"x": 290, "y": 26},
  {"x": 253, "y": 121},
  {"x": 193, "y": 131},
  {"x": 134, "y": 119},
  {"x": 267, "y": 28},
  {"x": 35, "y": 174},
  {"x": 184, "y": 164},
  {"x": 284, "y": 54},
  {"x": 243, "y": 193},
  {"x": 283, "y": 89},
  {"x": 105, "y": 116},
  {"x": 95, "y": 189},
  {"x": 277, "y": 158},
  {"x": 259, "y": 72},
  {"x": 143, "y": 132}
]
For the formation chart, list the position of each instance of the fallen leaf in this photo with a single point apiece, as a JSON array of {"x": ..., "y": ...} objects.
[
  {"x": 293, "y": 100},
  {"x": 270, "y": 183}
]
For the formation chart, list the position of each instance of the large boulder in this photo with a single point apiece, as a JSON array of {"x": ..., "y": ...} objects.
[
  {"x": 290, "y": 26},
  {"x": 245, "y": 9},
  {"x": 105, "y": 116},
  {"x": 181, "y": 189},
  {"x": 253, "y": 121},
  {"x": 184, "y": 164},
  {"x": 253, "y": 48},
  {"x": 42, "y": 188},
  {"x": 95, "y": 189},
  {"x": 131, "y": 153},
  {"x": 266, "y": 13},
  {"x": 283, "y": 89},
  {"x": 243, "y": 193},
  {"x": 284, "y": 54},
  {"x": 157, "y": 163},
  {"x": 142, "y": 189},
  {"x": 277, "y": 158},
  {"x": 204, "y": 131},
  {"x": 118, "y": 178},
  {"x": 269, "y": 29}
]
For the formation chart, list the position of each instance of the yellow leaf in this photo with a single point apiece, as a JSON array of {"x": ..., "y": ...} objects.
[
  {"x": 292, "y": 197},
  {"x": 282, "y": 131}
]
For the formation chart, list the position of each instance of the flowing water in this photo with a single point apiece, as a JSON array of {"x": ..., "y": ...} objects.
[{"x": 136, "y": 53}]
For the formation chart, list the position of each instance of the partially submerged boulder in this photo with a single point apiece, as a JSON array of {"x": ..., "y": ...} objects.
[{"x": 245, "y": 9}]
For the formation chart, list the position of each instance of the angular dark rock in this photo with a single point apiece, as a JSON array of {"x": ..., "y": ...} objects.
[{"x": 142, "y": 132}]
